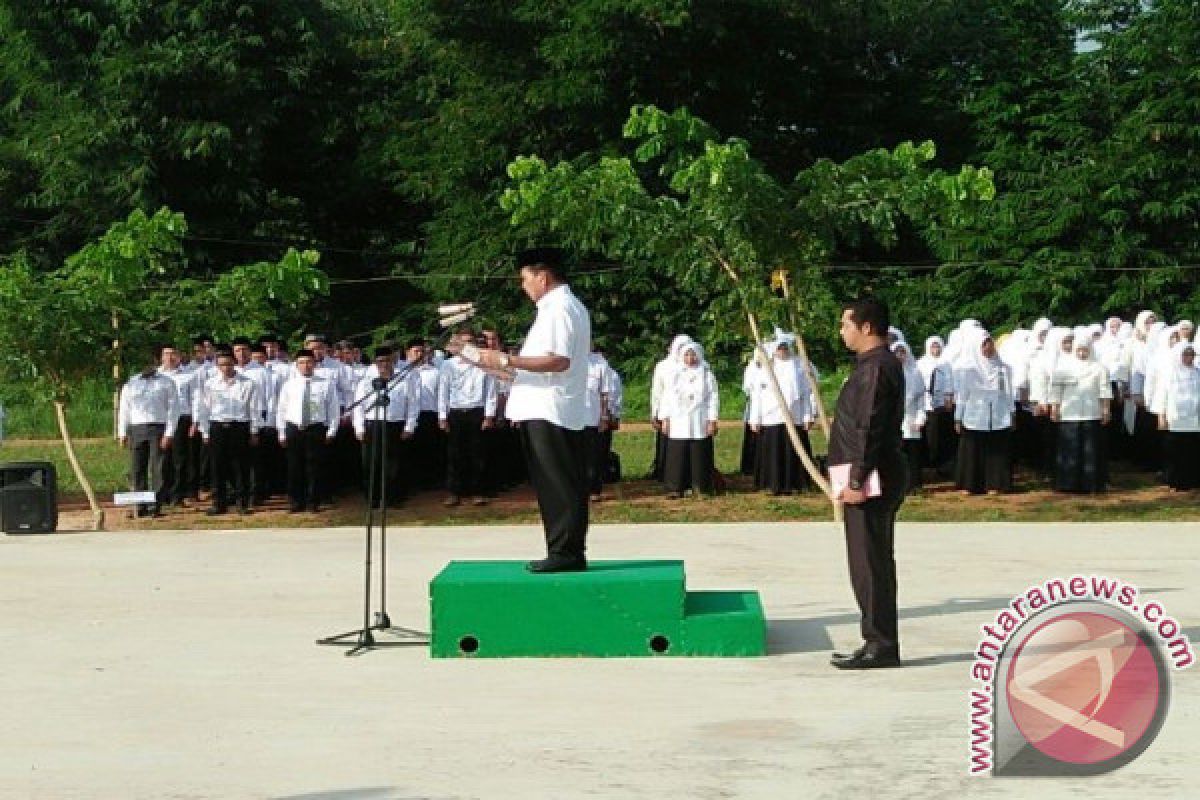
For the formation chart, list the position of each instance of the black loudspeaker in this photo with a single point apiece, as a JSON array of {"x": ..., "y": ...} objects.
[{"x": 28, "y": 497}]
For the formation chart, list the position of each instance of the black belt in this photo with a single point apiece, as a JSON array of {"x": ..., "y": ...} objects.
[{"x": 228, "y": 423}]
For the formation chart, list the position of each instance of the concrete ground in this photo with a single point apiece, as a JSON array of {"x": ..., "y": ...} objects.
[{"x": 182, "y": 665}]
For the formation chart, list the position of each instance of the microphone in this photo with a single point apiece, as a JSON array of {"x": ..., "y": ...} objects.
[
  {"x": 455, "y": 308},
  {"x": 454, "y": 319}
]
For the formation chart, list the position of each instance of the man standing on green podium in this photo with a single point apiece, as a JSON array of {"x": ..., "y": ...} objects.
[{"x": 548, "y": 400}]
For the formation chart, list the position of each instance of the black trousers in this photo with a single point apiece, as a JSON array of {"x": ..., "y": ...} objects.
[
  {"x": 306, "y": 454},
  {"x": 870, "y": 552},
  {"x": 660, "y": 456},
  {"x": 597, "y": 456},
  {"x": 689, "y": 465},
  {"x": 558, "y": 470},
  {"x": 914, "y": 454},
  {"x": 201, "y": 460},
  {"x": 464, "y": 451},
  {"x": 1082, "y": 463},
  {"x": 985, "y": 461},
  {"x": 427, "y": 463},
  {"x": 348, "y": 461},
  {"x": 230, "y": 443},
  {"x": 146, "y": 462},
  {"x": 1183, "y": 463},
  {"x": 386, "y": 461},
  {"x": 941, "y": 442},
  {"x": 178, "y": 479},
  {"x": 268, "y": 466},
  {"x": 749, "y": 459}
]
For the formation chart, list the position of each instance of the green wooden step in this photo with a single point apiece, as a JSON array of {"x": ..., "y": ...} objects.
[{"x": 495, "y": 609}]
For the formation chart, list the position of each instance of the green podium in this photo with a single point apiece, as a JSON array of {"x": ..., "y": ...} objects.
[{"x": 495, "y": 609}]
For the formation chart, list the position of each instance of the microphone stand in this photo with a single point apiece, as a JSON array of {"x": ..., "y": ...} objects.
[{"x": 362, "y": 639}]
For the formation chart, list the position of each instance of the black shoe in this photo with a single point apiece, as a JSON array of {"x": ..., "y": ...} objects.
[
  {"x": 215, "y": 511},
  {"x": 243, "y": 510},
  {"x": 871, "y": 658},
  {"x": 295, "y": 509},
  {"x": 557, "y": 564},
  {"x": 849, "y": 656},
  {"x": 316, "y": 508}
]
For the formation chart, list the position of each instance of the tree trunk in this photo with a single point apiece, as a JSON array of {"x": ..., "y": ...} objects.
[{"x": 97, "y": 512}]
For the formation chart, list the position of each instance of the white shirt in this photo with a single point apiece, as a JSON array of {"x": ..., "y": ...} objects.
[
  {"x": 429, "y": 377},
  {"x": 324, "y": 407},
  {"x": 597, "y": 389},
  {"x": 939, "y": 381},
  {"x": 148, "y": 401},
  {"x": 979, "y": 408},
  {"x": 616, "y": 394},
  {"x": 404, "y": 403},
  {"x": 186, "y": 383},
  {"x": 462, "y": 385},
  {"x": 1182, "y": 403},
  {"x": 793, "y": 384},
  {"x": 562, "y": 328},
  {"x": 1078, "y": 389},
  {"x": 235, "y": 400},
  {"x": 690, "y": 402},
  {"x": 269, "y": 381},
  {"x": 659, "y": 382}
]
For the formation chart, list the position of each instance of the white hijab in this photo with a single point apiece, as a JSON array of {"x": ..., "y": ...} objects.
[
  {"x": 914, "y": 384},
  {"x": 988, "y": 370}
]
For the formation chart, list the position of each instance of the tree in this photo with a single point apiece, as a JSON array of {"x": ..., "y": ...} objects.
[
  {"x": 56, "y": 324},
  {"x": 713, "y": 220}
]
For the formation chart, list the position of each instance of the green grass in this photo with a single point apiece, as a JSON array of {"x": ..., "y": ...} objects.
[
  {"x": 1134, "y": 496},
  {"x": 89, "y": 411}
]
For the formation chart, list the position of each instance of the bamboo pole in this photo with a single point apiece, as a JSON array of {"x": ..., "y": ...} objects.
[
  {"x": 80, "y": 475},
  {"x": 773, "y": 381},
  {"x": 822, "y": 417}
]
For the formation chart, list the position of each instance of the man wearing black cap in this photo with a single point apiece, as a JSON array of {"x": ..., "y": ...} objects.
[{"x": 548, "y": 399}]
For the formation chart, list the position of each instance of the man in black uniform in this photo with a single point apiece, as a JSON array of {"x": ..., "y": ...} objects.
[{"x": 866, "y": 435}]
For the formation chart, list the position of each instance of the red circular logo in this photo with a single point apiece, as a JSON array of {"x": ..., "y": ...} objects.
[{"x": 1083, "y": 688}]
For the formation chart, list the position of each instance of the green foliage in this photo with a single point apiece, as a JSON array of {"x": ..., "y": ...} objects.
[
  {"x": 57, "y": 324},
  {"x": 718, "y": 224}
]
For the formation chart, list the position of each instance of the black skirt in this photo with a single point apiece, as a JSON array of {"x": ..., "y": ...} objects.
[
  {"x": 688, "y": 464},
  {"x": 1081, "y": 463},
  {"x": 941, "y": 442},
  {"x": 984, "y": 461},
  {"x": 1147, "y": 442},
  {"x": 1183, "y": 460},
  {"x": 914, "y": 453},
  {"x": 777, "y": 467},
  {"x": 749, "y": 450}
]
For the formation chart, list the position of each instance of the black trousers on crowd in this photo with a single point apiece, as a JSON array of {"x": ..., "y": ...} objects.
[
  {"x": 596, "y": 457},
  {"x": 201, "y": 462},
  {"x": 689, "y": 465},
  {"x": 387, "y": 461},
  {"x": 557, "y": 462},
  {"x": 269, "y": 466},
  {"x": 870, "y": 551},
  {"x": 1183, "y": 464},
  {"x": 306, "y": 454},
  {"x": 146, "y": 462},
  {"x": 230, "y": 443},
  {"x": 464, "y": 451},
  {"x": 1082, "y": 460},
  {"x": 179, "y": 482},
  {"x": 427, "y": 466},
  {"x": 660, "y": 456}
]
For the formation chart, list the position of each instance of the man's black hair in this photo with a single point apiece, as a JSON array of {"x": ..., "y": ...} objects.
[
  {"x": 550, "y": 259},
  {"x": 384, "y": 351},
  {"x": 870, "y": 310},
  {"x": 244, "y": 341}
]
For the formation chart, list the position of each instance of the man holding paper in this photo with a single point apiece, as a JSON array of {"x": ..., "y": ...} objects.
[{"x": 869, "y": 475}]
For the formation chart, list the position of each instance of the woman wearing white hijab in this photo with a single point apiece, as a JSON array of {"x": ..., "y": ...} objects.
[
  {"x": 1180, "y": 419},
  {"x": 1079, "y": 399},
  {"x": 1159, "y": 365},
  {"x": 940, "y": 440},
  {"x": 1144, "y": 447},
  {"x": 751, "y": 377},
  {"x": 778, "y": 468},
  {"x": 1041, "y": 374},
  {"x": 659, "y": 382},
  {"x": 689, "y": 421},
  {"x": 983, "y": 415},
  {"x": 913, "y": 423}
]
